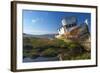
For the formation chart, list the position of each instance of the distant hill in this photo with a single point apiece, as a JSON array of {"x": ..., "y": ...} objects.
[{"x": 49, "y": 36}]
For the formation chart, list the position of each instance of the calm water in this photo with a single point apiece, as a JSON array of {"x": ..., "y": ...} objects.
[{"x": 40, "y": 59}]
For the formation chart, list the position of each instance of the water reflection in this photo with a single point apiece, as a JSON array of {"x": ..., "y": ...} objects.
[{"x": 40, "y": 59}]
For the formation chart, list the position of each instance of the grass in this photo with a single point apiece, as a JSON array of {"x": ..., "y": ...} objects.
[
  {"x": 52, "y": 48},
  {"x": 50, "y": 52}
]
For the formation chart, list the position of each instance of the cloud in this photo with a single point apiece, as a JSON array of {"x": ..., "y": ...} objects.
[
  {"x": 34, "y": 20},
  {"x": 37, "y": 20}
]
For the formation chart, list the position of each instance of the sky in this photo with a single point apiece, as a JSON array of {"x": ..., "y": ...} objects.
[{"x": 48, "y": 22}]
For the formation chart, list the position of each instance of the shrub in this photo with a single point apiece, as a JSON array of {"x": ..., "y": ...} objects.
[{"x": 50, "y": 52}]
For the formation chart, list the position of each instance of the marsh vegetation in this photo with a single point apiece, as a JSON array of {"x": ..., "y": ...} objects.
[{"x": 43, "y": 49}]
